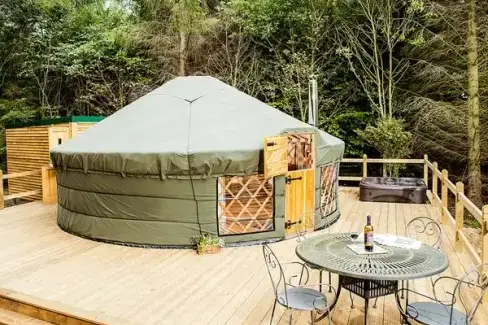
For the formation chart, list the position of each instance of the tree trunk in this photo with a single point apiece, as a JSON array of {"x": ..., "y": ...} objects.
[
  {"x": 182, "y": 53},
  {"x": 474, "y": 169}
]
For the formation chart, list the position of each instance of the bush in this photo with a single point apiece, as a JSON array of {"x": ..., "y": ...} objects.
[
  {"x": 343, "y": 126},
  {"x": 208, "y": 240},
  {"x": 389, "y": 137}
]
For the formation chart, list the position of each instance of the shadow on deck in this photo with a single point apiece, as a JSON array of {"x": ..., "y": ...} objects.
[{"x": 110, "y": 284}]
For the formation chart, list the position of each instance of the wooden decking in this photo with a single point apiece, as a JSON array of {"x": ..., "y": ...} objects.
[{"x": 124, "y": 285}]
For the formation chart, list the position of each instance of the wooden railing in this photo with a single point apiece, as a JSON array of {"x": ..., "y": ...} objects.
[
  {"x": 365, "y": 161},
  {"x": 48, "y": 179},
  {"x": 440, "y": 181},
  {"x": 462, "y": 203}
]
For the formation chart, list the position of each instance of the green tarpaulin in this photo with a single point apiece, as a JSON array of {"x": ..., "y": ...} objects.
[{"x": 148, "y": 173}]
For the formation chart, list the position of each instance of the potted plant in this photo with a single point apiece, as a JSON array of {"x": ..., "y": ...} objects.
[{"x": 208, "y": 244}]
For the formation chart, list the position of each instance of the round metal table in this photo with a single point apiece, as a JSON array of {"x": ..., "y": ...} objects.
[{"x": 369, "y": 275}]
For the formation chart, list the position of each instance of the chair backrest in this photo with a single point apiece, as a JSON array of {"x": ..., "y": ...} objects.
[
  {"x": 275, "y": 271},
  {"x": 474, "y": 283},
  {"x": 298, "y": 277},
  {"x": 309, "y": 218},
  {"x": 425, "y": 229}
]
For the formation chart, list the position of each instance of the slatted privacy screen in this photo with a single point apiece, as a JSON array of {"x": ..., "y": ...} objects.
[
  {"x": 245, "y": 204},
  {"x": 328, "y": 189}
]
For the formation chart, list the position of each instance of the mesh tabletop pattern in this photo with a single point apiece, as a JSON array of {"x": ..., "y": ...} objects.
[{"x": 330, "y": 252}]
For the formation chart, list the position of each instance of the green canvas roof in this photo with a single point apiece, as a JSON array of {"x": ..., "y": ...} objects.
[{"x": 190, "y": 126}]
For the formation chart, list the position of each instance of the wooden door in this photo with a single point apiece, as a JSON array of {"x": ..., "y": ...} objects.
[
  {"x": 300, "y": 200},
  {"x": 58, "y": 135},
  {"x": 275, "y": 156}
]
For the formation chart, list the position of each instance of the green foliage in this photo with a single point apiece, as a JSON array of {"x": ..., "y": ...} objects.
[
  {"x": 16, "y": 110},
  {"x": 188, "y": 15},
  {"x": 80, "y": 62},
  {"x": 206, "y": 240},
  {"x": 389, "y": 137},
  {"x": 344, "y": 125}
]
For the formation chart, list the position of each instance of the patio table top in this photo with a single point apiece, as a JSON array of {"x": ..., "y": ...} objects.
[{"x": 330, "y": 252}]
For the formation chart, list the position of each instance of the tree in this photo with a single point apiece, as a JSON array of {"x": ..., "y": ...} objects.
[
  {"x": 173, "y": 30},
  {"x": 438, "y": 101},
  {"x": 369, "y": 41},
  {"x": 474, "y": 152},
  {"x": 231, "y": 56},
  {"x": 391, "y": 140},
  {"x": 294, "y": 40}
]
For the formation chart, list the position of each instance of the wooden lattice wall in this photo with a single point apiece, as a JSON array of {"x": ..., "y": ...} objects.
[
  {"x": 300, "y": 153},
  {"x": 245, "y": 204},
  {"x": 328, "y": 189}
]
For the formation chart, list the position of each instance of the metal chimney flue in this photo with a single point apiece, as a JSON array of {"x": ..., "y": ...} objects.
[{"x": 313, "y": 101}]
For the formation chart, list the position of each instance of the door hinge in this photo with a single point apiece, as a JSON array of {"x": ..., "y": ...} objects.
[
  {"x": 289, "y": 179},
  {"x": 288, "y": 224}
]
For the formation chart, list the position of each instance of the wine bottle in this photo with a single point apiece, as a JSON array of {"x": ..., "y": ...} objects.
[{"x": 368, "y": 235}]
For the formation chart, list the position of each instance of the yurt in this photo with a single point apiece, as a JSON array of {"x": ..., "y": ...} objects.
[{"x": 196, "y": 156}]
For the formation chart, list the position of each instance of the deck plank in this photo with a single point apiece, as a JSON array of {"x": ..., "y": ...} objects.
[{"x": 151, "y": 286}]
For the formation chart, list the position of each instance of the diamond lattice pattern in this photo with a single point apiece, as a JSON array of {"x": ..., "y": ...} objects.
[
  {"x": 245, "y": 204},
  {"x": 328, "y": 189},
  {"x": 300, "y": 154}
]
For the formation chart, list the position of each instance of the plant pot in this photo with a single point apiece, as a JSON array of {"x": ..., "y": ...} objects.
[{"x": 209, "y": 249}]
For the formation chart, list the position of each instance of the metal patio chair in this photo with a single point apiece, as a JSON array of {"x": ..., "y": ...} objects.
[
  {"x": 436, "y": 311},
  {"x": 425, "y": 226},
  {"x": 428, "y": 227},
  {"x": 293, "y": 292},
  {"x": 301, "y": 229}
]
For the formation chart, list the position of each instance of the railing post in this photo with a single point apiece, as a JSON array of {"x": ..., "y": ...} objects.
[
  {"x": 484, "y": 243},
  {"x": 45, "y": 183},
  {"x": 459, "y": 216},
  {"x": 434, "y": 184},
  {"x": 365, "y": 165},
  {"x": 426, "y": 171},
  {"x": 484, "y": 234},
  {"x": 49, "y": 191},
  {"x": 2, "y": 202},
  {"x": 445, "y": 177}
]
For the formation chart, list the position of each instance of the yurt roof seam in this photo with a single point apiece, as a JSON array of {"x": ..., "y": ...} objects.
[{"x": 189, "y": 167}]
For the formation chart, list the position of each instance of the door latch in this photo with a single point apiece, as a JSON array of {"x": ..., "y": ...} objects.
[
  {"x": 288, "y": 224},
  {"x": 289, "y": 179}
]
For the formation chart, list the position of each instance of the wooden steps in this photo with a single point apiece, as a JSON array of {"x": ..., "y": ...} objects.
[
  {"x": 19, "y": 309},
  {"x": 8, "y": 317}
]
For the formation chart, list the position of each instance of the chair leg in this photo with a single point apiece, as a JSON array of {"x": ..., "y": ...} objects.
[
  {"x": 330, "y": 282},
  {"x": 352, "y": 299},
  {"x": 312, "y": 315},
  {"x": 291, "y": 316},
  {"x": 320, "y": 281},
  {"x": 374, "y": 306},
  {"x": 403, "y": 287},
  {"x": 272, "y": 313}
]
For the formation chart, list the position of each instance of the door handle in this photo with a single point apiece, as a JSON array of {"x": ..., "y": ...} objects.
[
  {"x": 289, "y": 179},
  {"x": 288, "y": 224}
]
